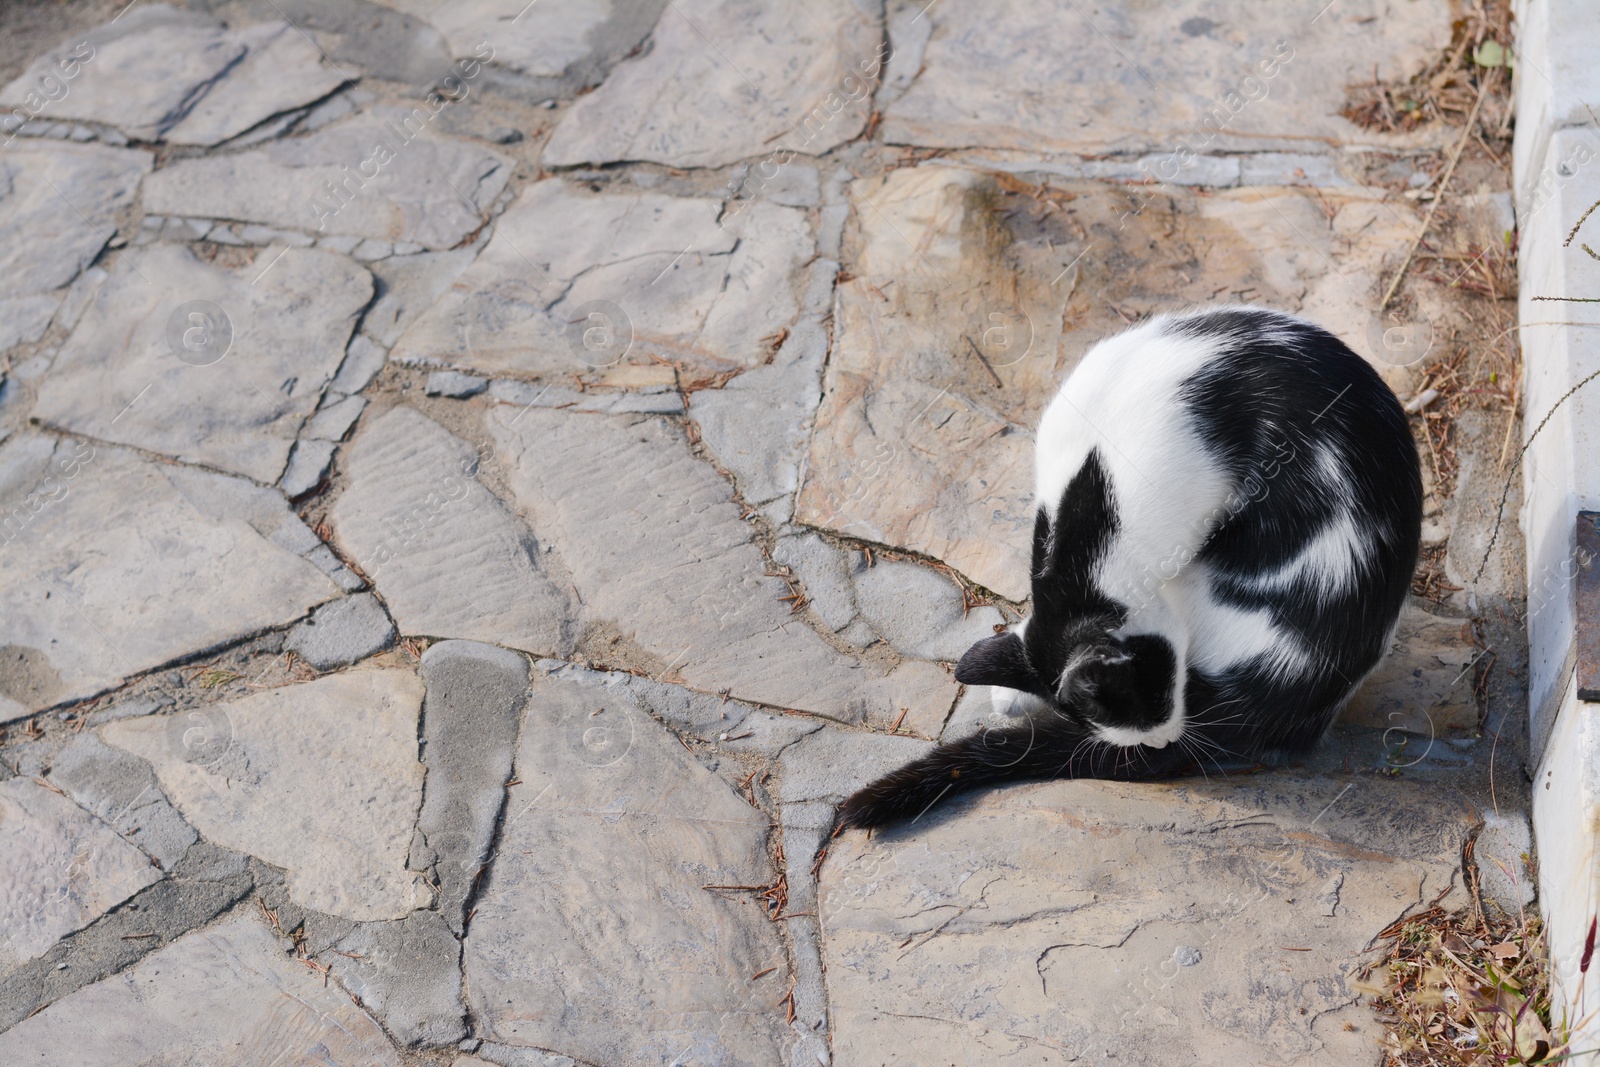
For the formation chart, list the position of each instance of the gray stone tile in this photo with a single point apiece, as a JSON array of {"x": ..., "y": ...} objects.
[
  {"x": 64, "y": 868},
  {"x": 121, "y": 791},
  {"x": 580, "y": 285},
  {"x": 341, "y": 632},
  {"x": 115, "y": 572},
  {"x": 228, "y": 987},
  {"x": 1037, "y": 886},
  {"x": 663, "y": 556},
  {"x": 470, "y": 718},
  {"x": 568, "y": 969},
  {"x": 212, "y": 366},
  {"x": 448, "y": 557},
  {"x": 321, "y": 779},
  {"x": 416, "y": 194},
  {"x": 59, "y": 211},
  {"x": 725, "y": 81}
]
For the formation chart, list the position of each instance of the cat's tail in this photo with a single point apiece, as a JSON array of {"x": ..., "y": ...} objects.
[{"x": 1048, "y": 747}]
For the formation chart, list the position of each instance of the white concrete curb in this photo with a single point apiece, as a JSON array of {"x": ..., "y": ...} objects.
[{"x": 1556, "y": 175}]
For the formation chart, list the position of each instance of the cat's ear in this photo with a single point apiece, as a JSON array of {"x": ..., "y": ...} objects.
[{"x": 998, "y": 660}]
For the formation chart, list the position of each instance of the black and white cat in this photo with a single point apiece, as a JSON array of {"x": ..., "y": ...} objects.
[{"x": 1229, "y": 506}]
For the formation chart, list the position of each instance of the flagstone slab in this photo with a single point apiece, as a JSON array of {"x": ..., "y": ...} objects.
[
  {"x": 58, "y": 208},
  {"x": 659, "y": 554},
  {"x": 543, "y": 40},
  {"x": 64, "y": 868},
  {"x": 281, "y": 69},
  {"x": 726, "y": 80},
  {"x": 109, "y": 571},
  {"x": 449, "y": 559},
  {"x": 205, "y": 364},
  {"x": 577, "y": 285},
  {"x": 1126, "y": 78},
  {"x": 976, "y": 293},
  {"x": 228, "y": 994},
  {"x": 567, "y": 954},
  {"x": 321, "y": 779},
  {"x": 141, "y": 74},
  {"x": 385, "y": 176},
  {"x": 1222, "y": 916}
]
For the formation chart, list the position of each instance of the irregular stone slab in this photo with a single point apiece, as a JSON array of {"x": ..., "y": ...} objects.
[
  {"x": 280, "y": 70},
  {"x": 205, "y": 364},
  {"x": 825, "y": 573},
  {"x": 58, "y": 208},
  {"x": 1124, "y": 78},
  {"x": 113, "y": 571},
  {"x": 564, "y": 954},
  {"x": 334, "y": 420},
  {"x": 384, "y": 43},
  {"x": 1425, "y": 686},
  {"x": 976, "y": 293},
  {"x": 308, "y": 464},
  {"x": 831, "y": 763},
  {"x": 64, "y": 869},
  {"x": 575, "y": 284},
  {"x": 424, "y": 188},
  {"x": 919, "y": 611},
  {"x": 142, "y": 74},
  {"x": 122, "y": 792},
  {"x": 321, "y": 779},
  {"x": 453, "y": 383},
  {"x": 408, "y": 286},
  {"x": 1180, "y": 897},
  {"x": 662, "y": 556},
  {"x": 363, "y": 359},
  {"x": 341, "y": 632},
  {"x": 540, "y": 40},
  {"x": 447, "y": 556},
  {"x": 203, "y": 884},
  {"x": 758, "y": 423},
  {"x": 650, "y": 400},
  {"x": 408, "y": 974},
  {"x": 729, "y": 79},
  {"x": 475, "y": 697},
  {"x": 226, "y": 994}
]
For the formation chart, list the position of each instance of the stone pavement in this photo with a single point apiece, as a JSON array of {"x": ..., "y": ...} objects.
[{"x": 479, "y": 485}]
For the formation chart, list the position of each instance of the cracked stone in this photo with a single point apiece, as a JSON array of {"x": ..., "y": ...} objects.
[
  {"x": 64, "y": 868},
  {"x": 659, "y": 552},
  {"x": 58, "y": 206},
  {"x": 111, "y": 540},
  {"x": 408, "y": 973},
  {"x": 308, "y": 463},
  {"x": 919, "y": 611},
  {"x": 1273, "y": 79},
  {"x": 363, "y": 359},
  {"x": 565, "y": 955},
  {"x": 428, "y": 189},
  {"x": 448, "y": 557},
  {"x": 650, "y": 275},
  {"x": 227, "y": 987},
  {"x": 122, "y": 792},
  {"x": 542, "y": 41},
  {"x": 141, "y": 74},
  {"x": 341, "y": 632},
  {"x": 334, "y": 420},
  {"x": 321, "y": 779},
  {"x": 954, "y": 263},
  {"x": 1038, "y": 885},
  {"x": 231, "y": 388},
  {"x": 281, "y": 70},
  {"x": 801, "y": 81},
  {"x": 652, "y": 400},
  {"x": 474, "y": 702},
  {"x": 408, "y": 286}
]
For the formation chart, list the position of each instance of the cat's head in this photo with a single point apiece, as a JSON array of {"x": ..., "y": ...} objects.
[{"x": 1085, "y": 670}]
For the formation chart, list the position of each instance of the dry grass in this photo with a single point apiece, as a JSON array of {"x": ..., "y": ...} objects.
[
  {"x": 1466, "y": 987},
  {"x": 1449, "y": 85}
]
